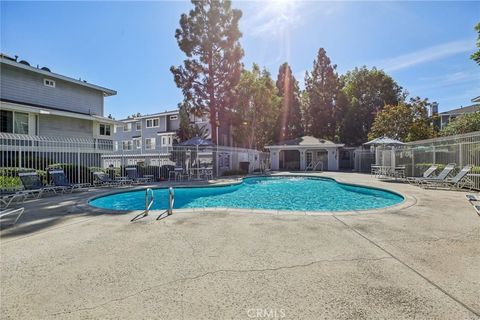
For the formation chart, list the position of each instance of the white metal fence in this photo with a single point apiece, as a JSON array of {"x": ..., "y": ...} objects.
[
  {"x": 462, "y": 150},
  {"x": 80, "y": 157}
]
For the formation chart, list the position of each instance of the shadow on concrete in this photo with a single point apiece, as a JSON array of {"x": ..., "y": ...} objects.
[{"x": 54, "y": 210}]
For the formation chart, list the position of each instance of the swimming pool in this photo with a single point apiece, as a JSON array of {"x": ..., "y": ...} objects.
[{"x": 274, "y": 193}]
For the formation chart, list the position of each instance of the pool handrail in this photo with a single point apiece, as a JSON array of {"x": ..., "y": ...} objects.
[
  {"x": 148, "y": 204},
  {"x": 171, "y": 200}
]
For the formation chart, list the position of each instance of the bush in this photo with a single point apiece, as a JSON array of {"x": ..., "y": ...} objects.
[
  {"x": 9, "y": 179},
  {"x": 234, "y": 173}
]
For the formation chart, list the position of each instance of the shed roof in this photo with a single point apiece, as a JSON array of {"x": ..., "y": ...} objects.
[{"x": 307, "y": 141}]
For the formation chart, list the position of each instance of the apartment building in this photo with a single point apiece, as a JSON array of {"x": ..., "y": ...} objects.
[{"x": 38, "y": 102}]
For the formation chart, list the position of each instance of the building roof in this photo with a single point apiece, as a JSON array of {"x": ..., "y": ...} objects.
[
  {"x": 306, "y": 141},
  {"x": 469, "y": 109},
  {"x": 476, "y": 99},
  {"x": 35, "y": 108},
  {"x": 152, "y": 115},
  {"x": 46, "y": 72}
]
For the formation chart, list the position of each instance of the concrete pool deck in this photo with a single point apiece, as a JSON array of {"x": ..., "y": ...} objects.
[{"x": 65, "y": 260}]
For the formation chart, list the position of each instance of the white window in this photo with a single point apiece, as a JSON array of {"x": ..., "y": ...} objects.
[
  {"x": 152, "y": 123},
  {"x": 105, "y": 129},
  {"x": 137, "y": 143},
  {"x": 13, "y": 122},
  {"x": 49, "y": 83},
  {"x": 139, "y": 125},
  {"x": 174, "y": 117},
  {"x": 115, "y": 146},
  {"x": 127, "y": 127},
  {"x": 127, "y": 145},
  {"x": 166, "y": 140},
  {"x": 150, "y": 143}
]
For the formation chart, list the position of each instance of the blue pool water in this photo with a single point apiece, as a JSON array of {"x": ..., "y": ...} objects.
[{"x": 278, "y": 193}]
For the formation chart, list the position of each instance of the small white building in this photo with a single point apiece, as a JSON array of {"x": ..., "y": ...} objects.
[{"x": 305, "y": 152}]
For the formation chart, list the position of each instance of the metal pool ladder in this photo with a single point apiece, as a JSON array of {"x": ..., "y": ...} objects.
[
  {"x": 171, "y": 200},
  {"x": 148, "y": 203}
]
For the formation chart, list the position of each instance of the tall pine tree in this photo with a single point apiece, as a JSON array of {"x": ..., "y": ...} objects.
[
  {"x": 209, "y": 37},
  {"x": 290, "y": 119},
  {"x": 322, "y": 86}
]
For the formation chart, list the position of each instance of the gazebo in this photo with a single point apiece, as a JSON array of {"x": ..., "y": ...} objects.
[{"x": 303, "y": 153}]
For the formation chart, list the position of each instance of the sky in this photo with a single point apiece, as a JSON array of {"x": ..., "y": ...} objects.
[{"x": 130, "y": 46}]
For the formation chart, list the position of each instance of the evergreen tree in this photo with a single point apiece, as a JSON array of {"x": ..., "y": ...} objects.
[
  {"x": 187, "y": 129},
  {"x": 209, "y": 37},
  {"x": 322, "y": 87},
  {"x": 290, "y": 119},
  {"x": 476, "y": 55},
  {"x": 257, "y": 109}
]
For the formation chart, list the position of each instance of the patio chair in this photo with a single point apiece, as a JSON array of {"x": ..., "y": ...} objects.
[
  {"x": 7, "y": 199},
  {"x": 472, "y": 198},
  {"x": 426, "y": 174},
  {"x": 207, "y": 173},
  {"x": 103, "y": 180},
  {"x": 459, "y": 181},
  {"x": 477, "y": 209},
  {"x": 441, "y": 177},
  {"x": 132, "y": 174},
  {"x": 33, "y": 185},
  {"x": 59, "y": 179},
  {"x": 18, "y": 212}
]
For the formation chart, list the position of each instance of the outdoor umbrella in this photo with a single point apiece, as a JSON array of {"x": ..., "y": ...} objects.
[
  {"x": 384, "y": 141},
  {"x": 197, "y": 143},
  {"x": 381, "y": 142}
]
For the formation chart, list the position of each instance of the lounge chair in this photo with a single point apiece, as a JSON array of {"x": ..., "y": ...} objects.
[
  {"x": 459, "y": 181},
  {"x": 7, "y": 199},
  {"x": 33, "y": 185},
  {"x": 8, "y": 212},
  {"x": 472, "y": 198},
  {"x": 477, "y": 209},
  {"x": 59, "y": 179},
  {"x": 441, "y": 177},
  {"x": 132, "y": 174},
  {"x": 103, "y": 179},
  {"x": 426, "y": 174}
]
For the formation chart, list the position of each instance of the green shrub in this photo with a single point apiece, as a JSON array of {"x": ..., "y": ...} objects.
[{"x": 9, "y": 179}]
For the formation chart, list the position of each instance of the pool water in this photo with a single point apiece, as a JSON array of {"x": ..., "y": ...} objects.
[{"x": 277, "y": 193}]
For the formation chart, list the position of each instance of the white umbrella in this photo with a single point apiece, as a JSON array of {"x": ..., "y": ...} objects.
[{"x": 384, "y": 141}]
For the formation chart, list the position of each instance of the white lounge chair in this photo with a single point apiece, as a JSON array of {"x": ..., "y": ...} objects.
[
  {"x": 426, "y": 174},
  {"x": 459, "y": 181},
  {"x": 8, "y": 199},
  {"x": 477, "y": 209},
  {"x": 472, "y": 197},
  {"x": 441, "y": 177},
  {"x": 8, "y": 212}
]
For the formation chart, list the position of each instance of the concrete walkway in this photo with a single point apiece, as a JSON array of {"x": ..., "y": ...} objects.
[{"x": 421, "y": 261}]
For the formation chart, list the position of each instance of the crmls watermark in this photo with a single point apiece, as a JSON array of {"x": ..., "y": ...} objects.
[{"x": 262, "y": 313}]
